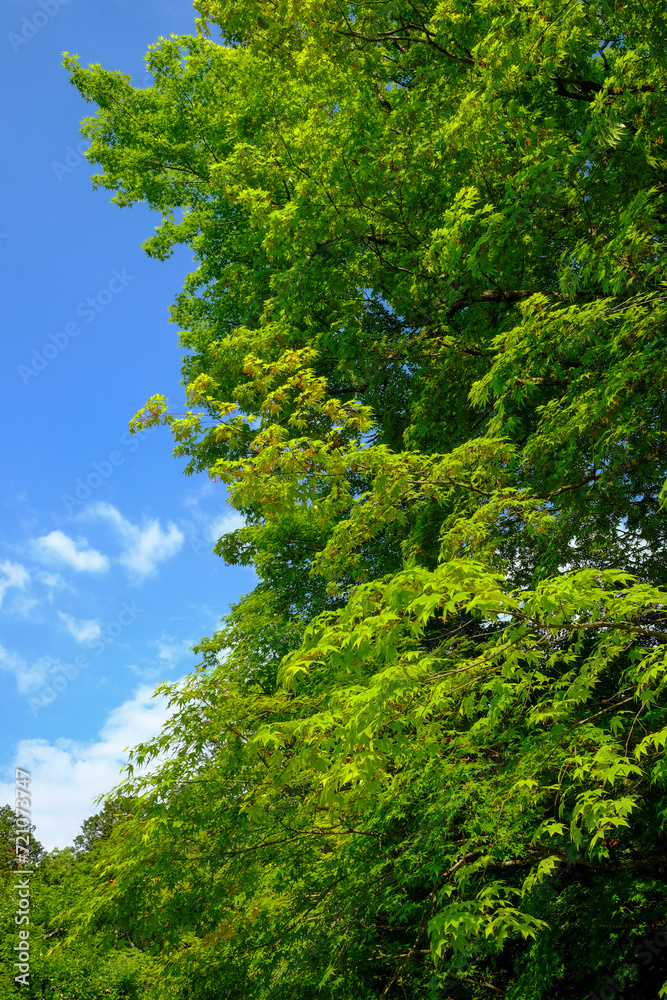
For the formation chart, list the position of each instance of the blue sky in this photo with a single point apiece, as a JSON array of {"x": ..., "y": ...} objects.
[{"x": 106, "y": 570}]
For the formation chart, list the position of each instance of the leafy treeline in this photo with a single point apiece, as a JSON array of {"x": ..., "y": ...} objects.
[
  {"x": 61, "y": 879},
  {"x": 426, "y": 356}
]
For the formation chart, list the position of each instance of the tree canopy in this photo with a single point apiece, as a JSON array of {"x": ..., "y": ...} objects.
[{"x": 425, "y": 355}]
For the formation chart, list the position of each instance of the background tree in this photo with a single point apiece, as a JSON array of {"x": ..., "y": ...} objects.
[
  {"x": 104, "y": 964},
  {"x": 8, "y": 842},
  {"x": 98, "y": 827}
]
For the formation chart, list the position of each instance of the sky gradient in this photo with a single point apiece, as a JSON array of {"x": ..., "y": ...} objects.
[{"x": 106, "y": 571}]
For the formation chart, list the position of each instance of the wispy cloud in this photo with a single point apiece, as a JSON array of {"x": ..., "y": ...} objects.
[
  {"x": 12, "y": 575},
  {"x": 10, "y": 661},
  {"x": 172, "y": 650},
  {"x": 53, "y": 580},
  {"x": 206, "y": 528},
  {"x": 29, "y": 677},
  {"x": 66, "y": 775},
  {"x": 143, "y": 546},
  {"x": 60, "y": 547},
  {"x": 82, "y": 630},
  {"x": 222, "y": 524}
]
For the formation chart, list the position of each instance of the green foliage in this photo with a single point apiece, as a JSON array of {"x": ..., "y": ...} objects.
[
  {"x": 426, "y": 356},
  {"x": 92, "y": 967},
  {"x": 98, "y": 827}
]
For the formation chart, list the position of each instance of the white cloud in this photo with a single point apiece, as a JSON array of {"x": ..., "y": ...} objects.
[
  {"x": 83, "y": 630},
  {"x": 145, "y": 673},
  {"x": 75, "y": 553},
  {"x": 207, "y": 528},
  {"x": 53, "y": 580},
  {"x": 23, "y": 605},
  {"x": 223, "y": 523},
  {"x": 143, "y": 547},
  {"x": 12, "y": 575},
  {"x": 174, "y": 650},
  {"x": 203, "y": 490},
  {"x": 29, "y": 677},
  {"x": 10, "y": 661},
  {"x": 66, "y": 776}
]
